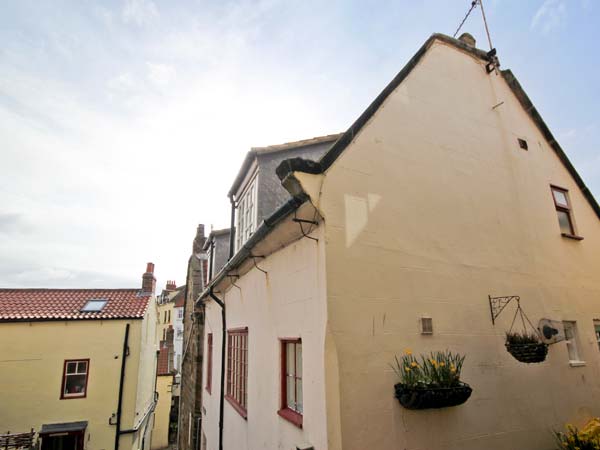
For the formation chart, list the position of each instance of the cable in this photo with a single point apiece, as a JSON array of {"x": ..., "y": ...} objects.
[
  {"x": 473, "y": 5},
  {"x": 487, "y": 31}
]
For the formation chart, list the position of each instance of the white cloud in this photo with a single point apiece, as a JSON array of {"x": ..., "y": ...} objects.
[
  {"x": 139, "y": 12},
  {"x": 550, "y": 16},
  {"x": 160, "y": 74},
  {"x": 122, "y": 82}
]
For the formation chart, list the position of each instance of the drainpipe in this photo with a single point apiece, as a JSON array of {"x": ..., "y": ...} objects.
[
  {"x": 232, "y": 228},
  {"x": 223, "y": 341},
  {"x": 121, "y": 383}
]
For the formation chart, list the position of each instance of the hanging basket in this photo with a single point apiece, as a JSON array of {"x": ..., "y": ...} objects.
[
  {"x": 528, "y": 353},
  {"x": 424, "y": 397}
]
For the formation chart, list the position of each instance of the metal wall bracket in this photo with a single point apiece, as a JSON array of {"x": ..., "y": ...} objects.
[{"x": 497, "y": 305}]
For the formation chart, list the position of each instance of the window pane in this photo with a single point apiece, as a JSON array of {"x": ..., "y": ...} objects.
[
  {"x": 597, "y": 328},
  {"x": 71, "y": 367},
  {"x": 299, "y": 360},
  {"x": 564, "y": 221},
  {"x": 75, "y": 384},
  {"x": 560, "y": 198},
  {"x": 289, "y": 350},
  {"x": 290, "y": 392},
  {"x": 82, "y": 367},
  {"x": 299, "y": 404}
]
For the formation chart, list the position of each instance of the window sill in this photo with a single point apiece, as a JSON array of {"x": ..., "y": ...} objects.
[
  {"x": 577, "y": 363},
  {"x": 291, "y": 416},
  {"x": 241, "y": 411},
  {"x": 572, "y": 236}
]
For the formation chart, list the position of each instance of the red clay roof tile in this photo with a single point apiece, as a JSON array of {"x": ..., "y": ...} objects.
[{"x": 66, "y": 304}]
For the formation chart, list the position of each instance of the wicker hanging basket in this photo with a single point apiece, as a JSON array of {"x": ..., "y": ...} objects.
[
  {"x": 426, "y": 397},
  {"x": 528, "y": 353},
  {"x": 532, "y": 350}
]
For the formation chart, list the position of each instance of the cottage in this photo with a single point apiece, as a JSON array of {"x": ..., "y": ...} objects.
[
  {"x": 78, "y": 366},
  {"x": 447, "y": 200}
]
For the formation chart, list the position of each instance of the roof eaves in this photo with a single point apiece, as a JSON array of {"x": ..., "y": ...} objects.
[{"x": 261, "y": 233}]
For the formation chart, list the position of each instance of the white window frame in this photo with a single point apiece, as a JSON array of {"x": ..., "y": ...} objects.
[
  {"x": 572, "y": 342},
  {"x": 247, "y": 212}
]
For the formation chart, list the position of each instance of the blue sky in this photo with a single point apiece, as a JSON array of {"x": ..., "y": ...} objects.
[{"x": 123, "y": 123}]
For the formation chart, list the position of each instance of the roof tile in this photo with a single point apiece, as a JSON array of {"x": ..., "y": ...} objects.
[{"x": 66, "y": 304}]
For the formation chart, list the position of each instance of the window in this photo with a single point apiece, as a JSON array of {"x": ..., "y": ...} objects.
[
  {"x": 75, "y": 378},
  {"x": 572, "y": 340},
  {"x": 563, "y": 211},
  {"x": 597, "y": 329},
  {"x": 209, "y": 350},
  {"x": 291, "y": 381},
  {"x": 180, "y": 313},
  {"x": 94, "y": 305},
  {"x": 246, "y": 213},
  {"x": 237, "y": 369},
  {"x": 169, "y": 316}
]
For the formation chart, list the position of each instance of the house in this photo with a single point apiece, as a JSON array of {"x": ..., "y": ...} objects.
[
  {"x": 449, "y": 190},
  {"x": 78, "y": 366},
  {"x": 165, "y": 374}
]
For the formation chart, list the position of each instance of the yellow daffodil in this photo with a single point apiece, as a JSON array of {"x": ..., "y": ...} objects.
[
  {"x": 414, "y": 364},
  {"x": 408, "y": 352},
  {"x": 407, "y": 369},
  {"x": 442, "y": 364}
]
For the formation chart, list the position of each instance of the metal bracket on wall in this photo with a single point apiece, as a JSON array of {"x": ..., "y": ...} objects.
[
  {"x": 497, "y": 305},
  {"x": 256, "y": 265},
  {"x": 311, "y": 222},
  {"x": 493, "y": 61}
]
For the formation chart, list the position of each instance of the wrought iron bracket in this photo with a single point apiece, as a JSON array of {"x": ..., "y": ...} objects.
[{"x": 497, "y": 305}]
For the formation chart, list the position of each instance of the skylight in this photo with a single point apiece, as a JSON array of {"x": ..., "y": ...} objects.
[{"x": 94, "y": 305}]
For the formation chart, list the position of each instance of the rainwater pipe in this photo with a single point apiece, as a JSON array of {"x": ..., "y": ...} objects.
[{"x": 221, "y": 303}]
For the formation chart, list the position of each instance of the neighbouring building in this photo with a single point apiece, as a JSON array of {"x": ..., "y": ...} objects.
[
  {"x": 165, "y": 374},
  {"x": 78, "y": 366},
  {"x": 190, "y": 400},
  {"x": 448, "y": 189}
]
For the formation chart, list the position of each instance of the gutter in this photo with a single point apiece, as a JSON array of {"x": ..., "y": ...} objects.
[
  {"x": 221, "y": 303},
  {"x": 261, "y": 232}
]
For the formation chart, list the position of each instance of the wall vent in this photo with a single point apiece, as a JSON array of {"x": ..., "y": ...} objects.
[
  {"x": 426, "y": 325},
  {"x": 523, "y": 144}
]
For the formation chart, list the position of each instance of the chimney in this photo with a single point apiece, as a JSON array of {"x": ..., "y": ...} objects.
[
  {"x": 171, "y": 286},
  {"x": 148, "y": 279},
  {"x": 468, "y": 39},
  {"x": 199, "y": 240}
]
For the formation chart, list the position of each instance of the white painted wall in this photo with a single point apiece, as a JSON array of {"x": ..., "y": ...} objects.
[{"x": 288, "y": 302}]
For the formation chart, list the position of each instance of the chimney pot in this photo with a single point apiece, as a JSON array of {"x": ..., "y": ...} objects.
[{"x": 468, "y": 39}]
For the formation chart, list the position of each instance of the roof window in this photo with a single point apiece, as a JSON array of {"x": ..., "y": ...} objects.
[{"x": 94, "y": 305}]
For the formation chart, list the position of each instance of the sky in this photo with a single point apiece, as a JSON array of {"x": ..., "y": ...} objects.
[{"x": 124, "y": 122}]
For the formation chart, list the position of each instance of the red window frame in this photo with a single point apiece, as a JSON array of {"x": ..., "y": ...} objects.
[
  {"x": 565, "y": 208},
  {"x": 63, "y": 396},
  {"x": 285, "y": 411},
  {"x": 237, "y": 370},
  {"x": 209, "y": 350}
]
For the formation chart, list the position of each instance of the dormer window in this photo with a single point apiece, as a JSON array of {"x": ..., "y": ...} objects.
[
  {"x": 94, "y": 305},
  {"x": 246, "y": 213}
]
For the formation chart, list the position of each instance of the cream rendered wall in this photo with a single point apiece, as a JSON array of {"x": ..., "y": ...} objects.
[
  {"x": 31, "y": 370},
  {"x": 146, "y": 369},
  {"x": 429, "y": 210},
  {"x": 160, "y": 431},
  {"x": 288, "y": 302},
  {"x": 162, "y": 324}
]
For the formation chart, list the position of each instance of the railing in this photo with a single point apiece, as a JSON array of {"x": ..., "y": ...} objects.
[{"x": 17, "y": 440}]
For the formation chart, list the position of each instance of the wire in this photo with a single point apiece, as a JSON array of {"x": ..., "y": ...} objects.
[{"x": 473, "y": 5}]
